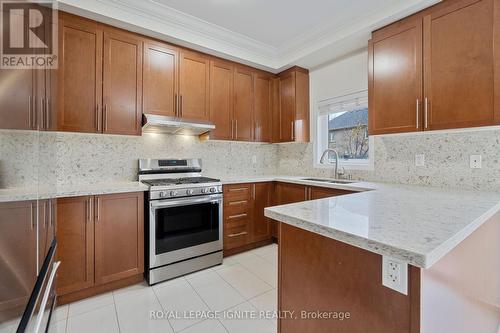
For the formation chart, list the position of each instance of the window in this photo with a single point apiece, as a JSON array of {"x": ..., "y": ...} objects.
[{"x": 342, "y": 124}]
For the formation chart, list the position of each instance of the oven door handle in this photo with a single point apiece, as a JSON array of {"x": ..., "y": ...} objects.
[{"x": 216, "y": 198}]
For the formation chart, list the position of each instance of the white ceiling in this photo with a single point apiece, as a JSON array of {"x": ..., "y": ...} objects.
[
  {"x": 270, "y": 34},
  {"x": 274, "y": 22}
]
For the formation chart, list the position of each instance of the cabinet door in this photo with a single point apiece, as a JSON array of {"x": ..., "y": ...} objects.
[
  {"x": 79, "y": 75},
  {"x": 18, "y": 252},
  {"x": 262, "y": 111},
  {"x": 75, "y": 249},
  {"x": 122, "y": 83},
  {"x": 243, "y": 105},
  {"x": 160, "y": 79},
  {"x": 119, "y": 236},
  {"x": 395, "y": 79},
  {"x": 316, "y": 192},
  {"x": 194, "y": 86},
  {"x": 221, "y": 99},
  {"x": 260, "y": 226},
  {"x": 459, "y": 65},
  {"x": 287, "y": 106},
  {"x": 290, "y": 193},
  {"x": 17, "y": 99}
]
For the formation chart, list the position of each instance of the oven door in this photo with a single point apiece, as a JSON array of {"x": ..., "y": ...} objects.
[{"x": 184, "y": 228}]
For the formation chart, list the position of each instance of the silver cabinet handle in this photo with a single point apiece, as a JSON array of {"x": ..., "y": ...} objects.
[
  {"x": 47, "y": 113},
  {"x": 180, "y": 106},
  {"x": 105, "y": 118},
  {"x": 97, "y": 209},
  {"x": 176, "y": 104},
  {"x": 97, "y": 118},
  {"x": 293, "y": 130},
  {"x": 32, "y": 217},
  {"x": 233, "y": 203},
  {"x": 418, "y": 111},
  {"x": 30, "y": 112},
  {"x": 236, "y": 128},
  {"x": 238, "y": 234},
  {"x": 45, "y": 297},
  {"x": 426, "y": 108},
  {"x": 253, "y": 192},
  {"x": 42, "y": 113},
  {"x": 236, "y": 216}
]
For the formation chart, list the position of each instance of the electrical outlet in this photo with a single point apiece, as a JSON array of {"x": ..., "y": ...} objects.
[
  {"x": 395, "y": 274},
  {"x": 475, "y": 161},
  {"x": 419, "y": 160}
]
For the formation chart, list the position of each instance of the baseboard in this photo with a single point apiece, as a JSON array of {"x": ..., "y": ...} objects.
[
  {"x": 96, "y": 290},
  {"x": 247, "y": 247}
]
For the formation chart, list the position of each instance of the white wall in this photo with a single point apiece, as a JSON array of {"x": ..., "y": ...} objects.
[{"x": 347, "y": 75}]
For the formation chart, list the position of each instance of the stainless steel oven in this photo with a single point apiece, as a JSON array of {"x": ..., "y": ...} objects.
[
  {"x": 183, "y": 218},
  {"x": 184, "y": 228}
]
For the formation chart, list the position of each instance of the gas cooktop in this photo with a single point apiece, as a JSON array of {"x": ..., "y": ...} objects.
[{"x": 180, "y": 181}]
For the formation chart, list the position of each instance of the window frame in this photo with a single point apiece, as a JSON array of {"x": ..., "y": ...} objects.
[{"x": 320, "y": 144}]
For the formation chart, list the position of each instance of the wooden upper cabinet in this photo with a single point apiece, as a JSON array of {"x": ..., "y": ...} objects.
[
  {"x": 294, "y": 105},
  {"x": 75, "y": 237},
  {"x": 221, "y": 99},
  {"x": 118, "y": 257},
  {"x": 262, "y": 107},
  {"x": 161, "y": 79},
  {"x": 286, "y": 106},
  {"x": 460, "y": 42},
  {"x": 122, "y": 83},
  {"x": 395, "y": 78},
  {"x": 194, "y": 86},
  {"x": 243, "y": 104},
  {"x": 16, "y": 100},
  {"x": 79, "y": 74},
  {"x": 260, "y": 226}
]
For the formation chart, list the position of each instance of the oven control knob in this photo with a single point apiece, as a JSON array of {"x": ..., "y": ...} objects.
[
  {"x": 189, "y": 192},
  {"x": 173, "y": 193},
  {"x": 213, "y": 189},
  {"x": 204, "y": 190},
  {"x": 162, "y": 194}
]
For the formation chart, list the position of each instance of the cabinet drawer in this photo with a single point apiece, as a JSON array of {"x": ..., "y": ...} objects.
[
  {"x": 235, "y": 236},
  {"x": 237, "y": 192},
  {"x": 236, "y": 207}
]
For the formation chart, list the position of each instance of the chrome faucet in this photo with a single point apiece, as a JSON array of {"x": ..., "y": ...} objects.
[{"x": 323, "y": 156}]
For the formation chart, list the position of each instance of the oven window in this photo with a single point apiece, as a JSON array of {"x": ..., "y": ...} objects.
[{"x": 186, "y": 226}]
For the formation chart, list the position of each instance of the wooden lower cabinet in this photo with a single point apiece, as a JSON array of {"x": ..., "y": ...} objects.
[
  {"x": 100, "y": 241},
  {"x": 245, "y": 225},
  {"x": 119, "y": 236},
  {"x": 349, "y": 281},
  {"x": 75, "y": 237}
]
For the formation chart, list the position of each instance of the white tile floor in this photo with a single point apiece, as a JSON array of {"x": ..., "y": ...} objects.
[{"x": 244, "y": 282}]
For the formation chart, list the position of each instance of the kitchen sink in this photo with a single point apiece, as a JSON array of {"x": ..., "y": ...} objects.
[{"x": 332, "y": 181}]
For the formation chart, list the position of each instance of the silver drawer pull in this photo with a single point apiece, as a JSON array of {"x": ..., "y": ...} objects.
[
  {"x": 236, "y": 216},
  {"x": 237, "y": 202},
  {"x": 238, "y": 234},
  {"x": 238, "y": 189}
]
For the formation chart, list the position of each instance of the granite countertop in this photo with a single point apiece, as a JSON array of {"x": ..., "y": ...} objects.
[
  {"x": 32, "y": 193},
  {"x": 416, "y": 224}
]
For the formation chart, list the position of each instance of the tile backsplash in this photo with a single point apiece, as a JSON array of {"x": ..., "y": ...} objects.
[
  {"x": 447, "y": 157},
  {"x": 71, "y": 158}
]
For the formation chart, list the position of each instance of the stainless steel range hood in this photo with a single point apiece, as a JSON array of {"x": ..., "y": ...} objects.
[{"x": 171, "y": 125}]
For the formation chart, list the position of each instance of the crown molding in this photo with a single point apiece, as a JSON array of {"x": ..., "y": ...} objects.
[{"x": 320, "y": 44}]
